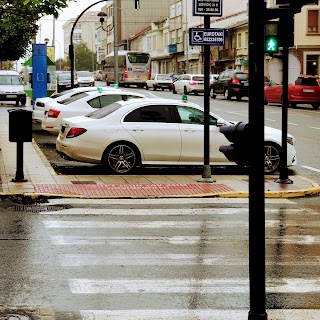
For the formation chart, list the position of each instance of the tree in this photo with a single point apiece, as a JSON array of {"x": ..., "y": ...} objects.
[
  {"x": 85, "y": 59},
  {"x": 18, "y": 24}
]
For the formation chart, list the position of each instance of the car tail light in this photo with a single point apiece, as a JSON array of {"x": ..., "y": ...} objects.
[
  {"x": 40, "y": 104},
  {"x": 192, "y": 83},
  {"x": 126, "y": 73},
  {"x": 52, "y": 113},
  {"x": 75, "y": 132},
  {"x": 235, "y": 81}
]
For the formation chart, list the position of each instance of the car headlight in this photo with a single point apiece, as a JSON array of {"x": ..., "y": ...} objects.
[{"x": 291, "y": 140}]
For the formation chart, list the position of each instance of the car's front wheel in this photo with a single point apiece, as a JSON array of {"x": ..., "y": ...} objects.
[
  {"x": 212, "y": 94},
  {"x": 271, "y": 158},
  {"x": 174, "y": 90},
  {"x": 121, "y": 157}
]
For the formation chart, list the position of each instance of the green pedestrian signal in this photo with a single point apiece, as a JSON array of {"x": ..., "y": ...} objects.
[{"x": 271, "y": 44}]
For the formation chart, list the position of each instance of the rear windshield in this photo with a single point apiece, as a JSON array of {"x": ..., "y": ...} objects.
[
  {"x": 104, "y": 111},
  {"x": 306, "y": 82},
  {"x": 242, "y": 76},
  {"x": 163, "y": 77},
  {"x": 138, "y": 57},
  {"x": 198, "y": 78},
  {"x": 73, "y": 98},
  {"x": 65, "y": 76}
]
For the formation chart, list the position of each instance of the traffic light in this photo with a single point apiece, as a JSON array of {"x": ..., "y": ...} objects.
[
  {"x": 271, "y": 44},
  {"x": 238, "y": 151}
]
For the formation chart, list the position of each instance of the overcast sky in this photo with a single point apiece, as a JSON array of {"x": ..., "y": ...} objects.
[{"x": 75, "y": 8}]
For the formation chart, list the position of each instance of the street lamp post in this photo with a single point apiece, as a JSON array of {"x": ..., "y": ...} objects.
[{"x": 71, "y": 47}]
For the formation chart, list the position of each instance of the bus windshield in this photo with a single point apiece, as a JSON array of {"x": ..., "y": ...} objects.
[{"x": 138, "y": 58}]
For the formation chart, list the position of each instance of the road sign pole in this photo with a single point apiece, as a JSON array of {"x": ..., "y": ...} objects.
[{"x": 206, "y": 173}]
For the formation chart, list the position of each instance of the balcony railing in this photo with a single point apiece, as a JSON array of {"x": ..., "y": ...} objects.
[{"x": 227, "y": 54}]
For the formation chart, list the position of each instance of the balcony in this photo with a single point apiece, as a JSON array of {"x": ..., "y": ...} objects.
[{"x": 227, "y": 54}]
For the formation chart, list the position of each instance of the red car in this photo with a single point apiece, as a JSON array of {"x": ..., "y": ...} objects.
[{"x": 305, "y": 90}]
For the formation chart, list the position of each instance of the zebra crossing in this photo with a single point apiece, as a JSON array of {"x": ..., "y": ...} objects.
[{"x": 138, "y": 260}]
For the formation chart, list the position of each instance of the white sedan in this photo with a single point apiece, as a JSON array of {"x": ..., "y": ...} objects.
[
  {"x": 127, "y": 134},
  {"x": 40, "y": 103},
  {"x": 80, "y": 104},
  {"x": 189, "y": 83}
]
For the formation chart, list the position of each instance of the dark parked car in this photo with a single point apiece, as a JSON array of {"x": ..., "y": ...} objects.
[{"x": 231, "y": 83}]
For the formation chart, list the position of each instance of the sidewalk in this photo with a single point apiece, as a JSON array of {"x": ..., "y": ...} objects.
[{"x": 43, "y": 181}]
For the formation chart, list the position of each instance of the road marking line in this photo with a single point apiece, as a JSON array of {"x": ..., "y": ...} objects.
[
  {"x": 201, "y": 314},
  {"x": 187, "y": 286},
  {"x": 315, "y": 128},
  {"x": 311, "y": 168}
]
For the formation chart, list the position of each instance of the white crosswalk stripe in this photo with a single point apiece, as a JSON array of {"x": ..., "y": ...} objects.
[{"x": 155, "y": 263}]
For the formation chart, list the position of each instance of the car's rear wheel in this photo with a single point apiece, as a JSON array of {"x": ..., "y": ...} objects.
[
  {"x": 174, "y": 90},
  {"x": 293, "y": 105},
  {"x": 212, "y": 94},
  {"x": 271, "y": 158},
  {"x": 227, "y": 94},
  {"x": 121, "y": 157},
  {"x": 315, "y": 106},
  {"x": 238, "y": 97},
  {"x": 185, "y": 91},
  {"x": 147, "y": 88}
]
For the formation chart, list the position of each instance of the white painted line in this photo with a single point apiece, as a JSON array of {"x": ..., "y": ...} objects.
[
  {"x": 317, "y": 128},
  {"x": 311, "y": 168},
  {"x": 293, "y": 124},
  {"x": 272, "y": 120},
  {"x": 199, "y": 314},
  {"x": 77, "y": 260},
  {"x": 187, "y": 286}
]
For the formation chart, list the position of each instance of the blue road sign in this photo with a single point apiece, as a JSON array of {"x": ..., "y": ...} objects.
[{"x": 210, "y": 37}]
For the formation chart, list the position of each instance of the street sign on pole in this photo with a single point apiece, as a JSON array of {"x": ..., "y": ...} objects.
[
  {"x": 209, "y": 37},
  {"x": 207, "y": 8}
]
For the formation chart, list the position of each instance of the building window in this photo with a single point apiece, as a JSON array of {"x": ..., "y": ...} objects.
[
  {"x": 179, "y": 9},
  {"x": 149, "y": 43},
  {"x": 154, "y": 42},
  {"x": 239, "y": 45},
  {"x": 313, "y": 21},
  {"x": 246, "y": 43},
  {"x": 172, "y": 11},
  {"x": 312, "y": 65}
]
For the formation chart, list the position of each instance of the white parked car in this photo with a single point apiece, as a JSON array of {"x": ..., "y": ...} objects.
[
  {"x": 127, "y": 134},
  {"x": 40, "y": 103},
  {"x": 159, "y": 81},
  {"x": 85, "y": 79},
  {"x": 80, "y": 104},
  {"x": 189, "y": 83}
]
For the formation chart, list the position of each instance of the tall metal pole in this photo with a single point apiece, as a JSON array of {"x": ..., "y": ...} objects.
[
  {"x": 206, "y": 172},
  {"x": 115, "y": 28},
  {"x": 71, "y": 47},
  {"x": 256, "y": 167},
  {"x": 186, "y": 39}
]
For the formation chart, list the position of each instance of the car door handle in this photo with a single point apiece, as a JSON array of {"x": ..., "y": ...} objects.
[
  {"x": 189, "y": 130},
  {"x": 137, "y": 129}
]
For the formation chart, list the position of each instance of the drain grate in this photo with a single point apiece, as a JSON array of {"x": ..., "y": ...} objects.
[{"x": 38, "y": 208}]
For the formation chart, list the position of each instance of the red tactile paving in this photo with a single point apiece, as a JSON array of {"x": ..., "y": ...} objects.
[{"x": 132, "y": 190}]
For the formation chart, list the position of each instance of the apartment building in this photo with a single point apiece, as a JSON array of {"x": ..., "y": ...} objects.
[{"x": 88, "y": 29}]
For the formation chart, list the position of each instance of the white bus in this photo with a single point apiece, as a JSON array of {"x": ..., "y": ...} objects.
[{"x": 134, "y": 68}]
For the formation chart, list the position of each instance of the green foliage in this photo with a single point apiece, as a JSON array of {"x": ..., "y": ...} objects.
[
  {"x": 18, "y": 24},
  {"x": 85, "y": 59}
]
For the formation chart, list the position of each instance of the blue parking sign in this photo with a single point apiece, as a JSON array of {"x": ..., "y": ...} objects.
[{"x": 210, "y": 37}]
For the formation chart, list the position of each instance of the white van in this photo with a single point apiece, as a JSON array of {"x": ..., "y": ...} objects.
[{"x": 11, "y": 87}]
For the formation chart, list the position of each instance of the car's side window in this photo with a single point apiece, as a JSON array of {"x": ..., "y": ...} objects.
[
  {"x": 103, "y": 101},
  {"x": 156, "y": 113},
  {"x": 189, "y": 115}
]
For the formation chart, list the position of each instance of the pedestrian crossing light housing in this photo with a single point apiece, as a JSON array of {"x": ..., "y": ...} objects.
[{"x": 271, "y": 44}]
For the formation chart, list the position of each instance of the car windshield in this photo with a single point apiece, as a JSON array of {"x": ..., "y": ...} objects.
[
  {"x": 104, "y": 111},
  {"x": 84, "y": 74},
  {"x": 163, "y": 77},
  {"x": 10, "y": 80},
  {"x": 65, "y": 76},
  {"x": 73, "y": 98}
]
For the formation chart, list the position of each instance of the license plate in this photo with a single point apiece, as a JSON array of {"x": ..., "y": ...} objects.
[
  {"x": 11, "y": 96},
  {"x": 246, "y": 84},
  {"x": 308, "y": 90}
]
